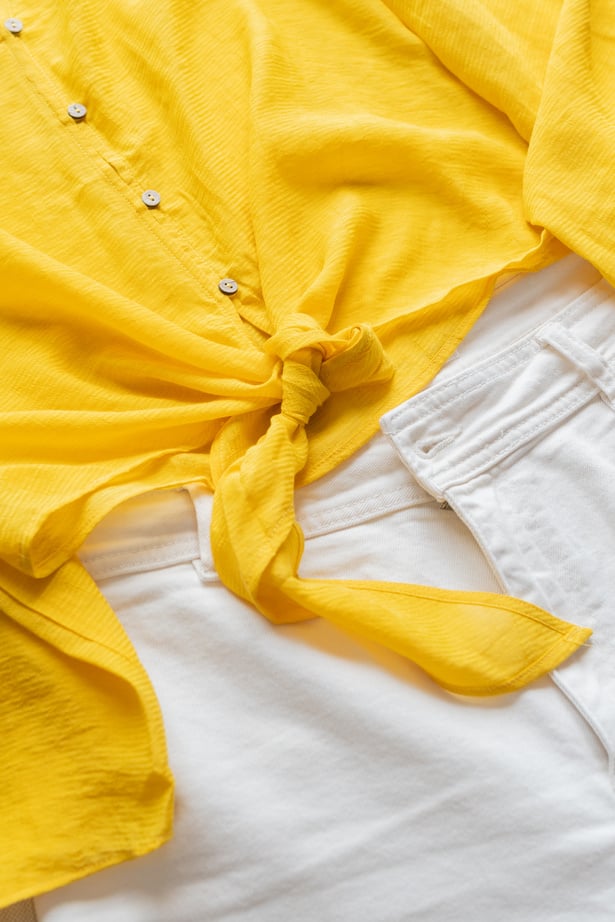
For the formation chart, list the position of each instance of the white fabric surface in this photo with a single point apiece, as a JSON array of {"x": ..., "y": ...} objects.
[
  {"x": 522, "y": 446},
  {"x": 323, "y": 779}
]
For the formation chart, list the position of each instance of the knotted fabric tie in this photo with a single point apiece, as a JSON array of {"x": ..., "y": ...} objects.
[{"x": 469, "y": 642}]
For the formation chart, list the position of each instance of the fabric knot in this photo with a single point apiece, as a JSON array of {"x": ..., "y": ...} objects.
[
  {"x": 362, "y": 360},
  {"x": 471, "y": 643},
  {"x": 343, "y": 360},
  {"x": 302, "y": 392},
  {"x": 300, "y": 331},
  {"x": 315, "y": 363}
]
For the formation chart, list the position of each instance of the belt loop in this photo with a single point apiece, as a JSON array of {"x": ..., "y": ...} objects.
[
  {"x": 581, "y": 355},
  {"x": 202, "y": 500}
]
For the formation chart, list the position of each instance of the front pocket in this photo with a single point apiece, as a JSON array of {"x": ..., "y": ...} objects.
[{"x": 545, "y": 517}]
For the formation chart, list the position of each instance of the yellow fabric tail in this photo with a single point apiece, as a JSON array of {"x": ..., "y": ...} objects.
[{"x": 472, "y": 643}]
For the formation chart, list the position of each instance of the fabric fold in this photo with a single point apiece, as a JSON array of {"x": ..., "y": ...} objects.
[
  {"x": 372, "y": 181},
  {"x": 470, "y": 643}
]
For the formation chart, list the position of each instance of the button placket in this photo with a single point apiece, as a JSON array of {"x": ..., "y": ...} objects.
[{"x": 151, "y": 198}]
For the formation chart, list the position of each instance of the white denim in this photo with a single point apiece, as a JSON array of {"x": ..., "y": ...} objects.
[
  {"x": 522, "y": 447},
  {"x": 319, "y": 778}
]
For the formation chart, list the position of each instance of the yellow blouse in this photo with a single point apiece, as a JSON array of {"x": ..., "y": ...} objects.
[{"x": 232, "y": 235}]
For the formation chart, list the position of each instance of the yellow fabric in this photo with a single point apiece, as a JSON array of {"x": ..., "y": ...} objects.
[{"x": 359, "y": 168}]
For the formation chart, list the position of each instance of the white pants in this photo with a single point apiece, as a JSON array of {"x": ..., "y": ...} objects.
[
  {"x": 522, "y": 447},
  {"x": 323, "y": 779}
]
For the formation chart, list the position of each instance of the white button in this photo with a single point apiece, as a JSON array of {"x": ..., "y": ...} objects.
[
  {"x": 228, "y": 286},
  {"x": 14, "y": 25},
  {"x": 151, "y": 198},
  {"x": 77, "y": 111}
]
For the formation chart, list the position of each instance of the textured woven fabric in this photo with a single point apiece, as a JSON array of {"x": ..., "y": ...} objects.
[
  {"x": 322, "y": 778},
  {"x": 521, "y": 445},
  {"x": 363, "y": 193}
]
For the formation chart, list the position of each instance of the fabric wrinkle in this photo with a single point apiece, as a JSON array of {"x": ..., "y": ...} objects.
[
  {"x": 270, "y": 698},
  {"x": 392, "y": 204},
  {"x": 528, "y": 471}
]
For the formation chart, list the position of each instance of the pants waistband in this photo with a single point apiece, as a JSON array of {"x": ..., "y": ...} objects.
[
  {"x": 171, "y": 527},
  {"x": 168, "y": 527},
  {"x": 462, "y": 426}
]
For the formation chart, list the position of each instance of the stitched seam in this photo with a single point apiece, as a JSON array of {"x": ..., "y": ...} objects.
[
  {"x": 144, "y": 551},
  {"x": 564, "y": 406},
  {"x": 437, "y": 398},
  {"x": 99, "y": 573},
  {"x": 349, "y": 514},
  {"x": 127, "y": 186}
]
